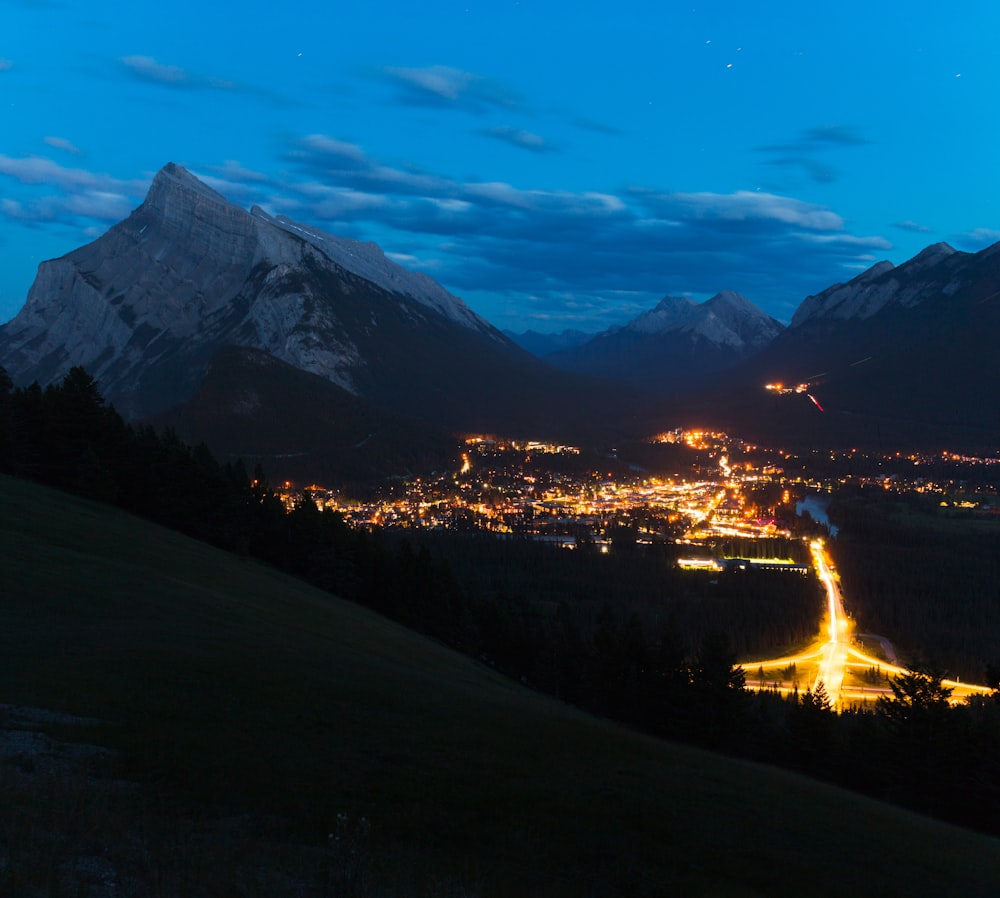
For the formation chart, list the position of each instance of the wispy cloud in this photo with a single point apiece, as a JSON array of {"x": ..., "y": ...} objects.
[
  {"x": 742, "y": 206},
  {"x": 61, "y": 143},
  {"x": 804, "y": 153},
  {"x": 443, "y": 86},
  {"x": 232, "y": 170},
  {"x": 148, "y": 69},
  {"x": 236, "y": 182},
  {"x": 517, "y": 137},
  {"x": 573, "y": 248},
  {"x": 842, "y": 135},
  {"x": 584, "y": 257},
  {"x": 40, "y": 170},
  {"x": 589, "y": 124},
  {"x": 848, "y": 240},
  {"x": 979, "y": 238},
  {"x": 67, "y": 194},
  {"x": 912, "y": 226},
  {"x": 815, "y": 169}
]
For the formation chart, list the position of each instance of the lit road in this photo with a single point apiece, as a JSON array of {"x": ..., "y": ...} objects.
[
  {"x": 835, "y": 652},
  {"x": 833, "y": 656}
]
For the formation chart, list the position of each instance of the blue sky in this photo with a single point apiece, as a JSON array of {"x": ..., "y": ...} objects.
[{"x": 555, "y": 164}]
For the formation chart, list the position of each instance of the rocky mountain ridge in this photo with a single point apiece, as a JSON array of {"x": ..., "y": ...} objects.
[
  {"x": 884, "y": 285},
  {"x": 897, "y": 357},
  {"x": 146, "y": 307},
  {"x": 728, "y": 319},
  {"x": 189, "y": 271},
  {"x": 676, "y": 344}
]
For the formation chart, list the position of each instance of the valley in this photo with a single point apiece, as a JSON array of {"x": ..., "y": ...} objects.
[
  {"x": 727, "y": 506},
  {"x": 642, "y": 532}
]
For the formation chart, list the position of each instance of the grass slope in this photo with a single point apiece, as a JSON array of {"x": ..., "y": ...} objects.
[{"x": 235, "y": 690}]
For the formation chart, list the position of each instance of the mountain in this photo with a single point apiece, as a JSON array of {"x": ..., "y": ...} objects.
[
  {"x": 540, "y": 344},
  {"x": 675, "y": 346},
  {"x": 146, "y": 306},
  {"x": 300, "y": 426},
  {"x": 896, "y": 357},
  {"x": 881, "y": 286}
]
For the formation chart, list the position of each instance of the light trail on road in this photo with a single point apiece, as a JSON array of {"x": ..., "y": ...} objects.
[
  {"x": 833, "y": 653},
  {"x": 831, "y": 668}
]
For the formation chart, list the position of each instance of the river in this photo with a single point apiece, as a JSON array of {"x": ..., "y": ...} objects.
[{"x": 816, "y": 504}]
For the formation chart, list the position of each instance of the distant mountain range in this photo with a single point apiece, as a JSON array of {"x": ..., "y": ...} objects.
[
  {"x": 676, "y": 345},
  {"x": 541, "y": 344},
  {"x": 271, "y": 339},
  {"x": 896, "y": 357}
]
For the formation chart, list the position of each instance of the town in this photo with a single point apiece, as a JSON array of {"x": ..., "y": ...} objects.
[{"x": 718, "y": 488}]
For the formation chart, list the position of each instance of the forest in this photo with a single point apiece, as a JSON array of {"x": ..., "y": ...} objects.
[
  {"x": 630, "y": 639},
  {"x": 925, "y": 575}
]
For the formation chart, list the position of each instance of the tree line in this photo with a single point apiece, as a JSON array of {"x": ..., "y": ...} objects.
[
  {"x": 659, "y": 666},
  {"x": 924, "y": 576}
]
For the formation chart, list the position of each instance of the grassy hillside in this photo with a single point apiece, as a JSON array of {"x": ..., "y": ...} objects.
[{"x": 253, "y": 710}]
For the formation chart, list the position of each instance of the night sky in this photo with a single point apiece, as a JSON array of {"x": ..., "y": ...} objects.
[{"x": 555, "y": 164}]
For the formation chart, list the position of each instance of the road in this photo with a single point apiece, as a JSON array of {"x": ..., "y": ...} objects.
[
  {"x": 835, "y": 652},
  {"x": 834, "y": 655}
]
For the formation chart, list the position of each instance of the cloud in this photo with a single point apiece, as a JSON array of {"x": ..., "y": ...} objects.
[
  {"x": 232, "y": 170},
  {"x": 330, "y": 146},
  {"x": 441, "y": 81},
  {"x": 524, "y": 140},
  {"x": 151, "y": 71},
  {"x": 842, "y": 135},
  {"x": 803, "y": 152},
  {"x": 443, "y": 86},
  {"x": 14, "y": 209},
  {"x": 148, "y": 69},
  {"x": 848, "y": 240},
  {"x": 589, "y": 124},
  {"x": 818, "y": 171},
  {"x": 6, "y": 64},
  {"x": 742, "y": 206},
  {"x": 57, "y": 193},
  {"x": 588, "y": 258},
  {"x": 339, "y": 162},
  {"x": 912, "y": 227},
  {"x": 61, "y": 143},
  {"x": 99, "y": 204},
  {"x": 979, "y": 238},
  {"x": 504, "y": 244},
  {"x": 39, "y": 170},
  {"x": 236, "y": 182}
]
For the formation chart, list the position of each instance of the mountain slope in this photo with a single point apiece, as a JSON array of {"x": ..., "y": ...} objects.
[
  {"x": 145, "y": 307},
  {"x": 675, "y": 346},
  {"x": 897, "y": 357},
  {"x": 883, "y": 286},
  {"x": 238, "y": 694},
  {"x": 299, "y": 426}
]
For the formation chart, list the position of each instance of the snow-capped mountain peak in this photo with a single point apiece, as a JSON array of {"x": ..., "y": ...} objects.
[
  {"x": 666, "y": 315},
  {"x": 727, "y": 319}
]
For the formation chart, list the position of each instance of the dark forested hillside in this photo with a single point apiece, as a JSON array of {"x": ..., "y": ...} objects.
[
  {"x": 627, "y": 638},
  {"x": 928, "y": 575}
]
